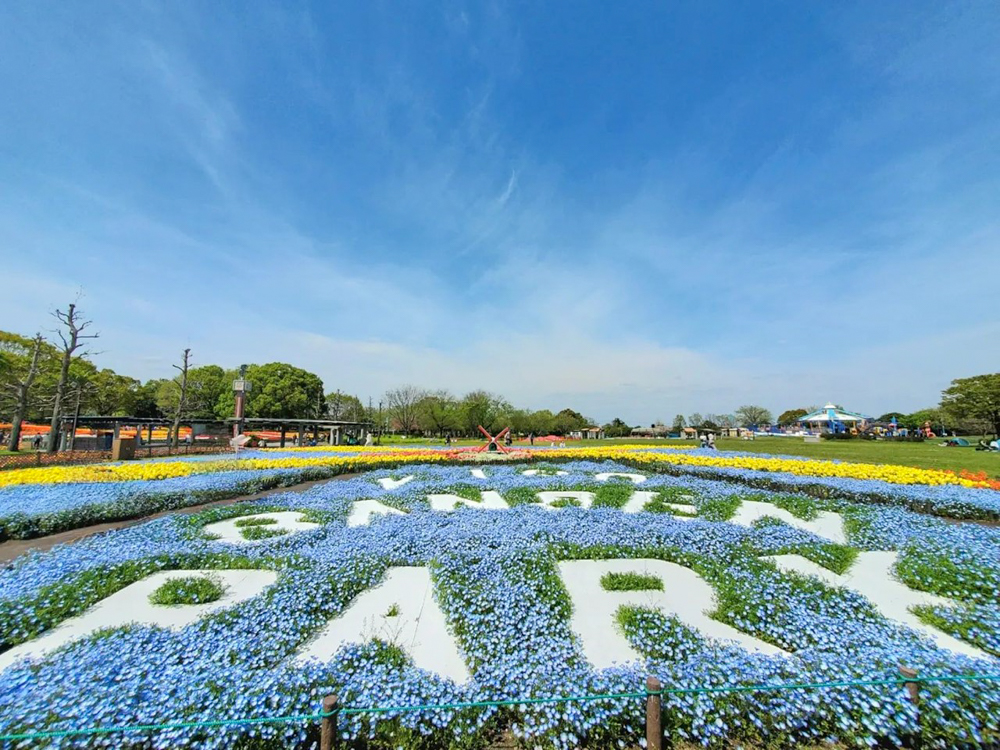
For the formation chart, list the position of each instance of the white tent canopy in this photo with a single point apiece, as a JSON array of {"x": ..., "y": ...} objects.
[{"x": 833, "y": 413}]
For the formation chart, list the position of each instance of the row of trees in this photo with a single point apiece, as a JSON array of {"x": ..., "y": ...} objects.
[
  {"x": 413, "y": 410},
  {"x": 42, "y": 380},
  {"x": 746, "y": 416},
  {"x": 32, "y": 366},
  {"x": 969, "y": 406}
]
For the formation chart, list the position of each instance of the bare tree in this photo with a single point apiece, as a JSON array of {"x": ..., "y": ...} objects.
[
  {"x": 72, "y": 340},
  {"x": 21, "y": 389},
  {"x": 753, "y": 416},
  {"x": 725, "y": 420},
  {"x": 402, "y": 404},
  {"x": 183, "y": 368}
]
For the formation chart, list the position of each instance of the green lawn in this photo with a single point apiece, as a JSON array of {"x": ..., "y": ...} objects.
[{"x": 928, "y": 455}]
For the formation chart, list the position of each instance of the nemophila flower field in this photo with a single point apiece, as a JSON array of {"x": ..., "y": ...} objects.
[
  {"x": 35, "y": 502},
  {"x": 498, "y": 578}
]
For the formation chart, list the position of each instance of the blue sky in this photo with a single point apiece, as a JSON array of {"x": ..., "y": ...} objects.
[{"x": 634, "y": 209}]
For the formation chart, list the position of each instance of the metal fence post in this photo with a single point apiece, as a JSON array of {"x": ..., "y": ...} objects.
[
  {"x": 328, "y": 726},
  {"x": 913, "y": 688},
  {"x": 654, "y": 715}
]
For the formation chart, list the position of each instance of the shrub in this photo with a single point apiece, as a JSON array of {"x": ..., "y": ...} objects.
[
  {"x": 566, "y": 502},
  {"x": 256, "y": 533},
  {"x": 630, "y": 582},
  {"x": 188, "y": 590},
  {"x": 243, "y": 522}
]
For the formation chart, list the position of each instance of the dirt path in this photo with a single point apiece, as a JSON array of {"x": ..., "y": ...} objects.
[{"x": 15, "y": 547}]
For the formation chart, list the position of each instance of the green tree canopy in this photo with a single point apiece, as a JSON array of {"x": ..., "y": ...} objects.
[
  {"x": 145, "y": 401},
  {"x": 208, "y": 386},
  {"x": 977, "y": 397},
  {"x": 108, "y": 394},
  {"x": 617, "y": 428},
  {"x": 890, "y": 415},
  {"x": 542, "y": 422},
  {"x": 280, "y": 391},
  {"x": 568, "y": 420},
  {"x": 437, "y": 413},
  {"x": 918, "y": 418},
  {"x": 15, "y": 359},
  {"x": 792, "y": 416},
  {"x": 481, "y": 408}
]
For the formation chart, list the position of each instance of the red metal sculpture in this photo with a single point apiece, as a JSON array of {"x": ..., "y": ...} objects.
[{"x": 493, "y": 441}]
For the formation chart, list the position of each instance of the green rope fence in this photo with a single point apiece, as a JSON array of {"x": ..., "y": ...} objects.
[{"x": 491, "y": 704}]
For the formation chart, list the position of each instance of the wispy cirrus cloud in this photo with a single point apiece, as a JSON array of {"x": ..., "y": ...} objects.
[{"x": 469, "y": 197}]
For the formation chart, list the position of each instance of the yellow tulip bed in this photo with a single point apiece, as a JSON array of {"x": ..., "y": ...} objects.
[{"x": 361, "y": 459}]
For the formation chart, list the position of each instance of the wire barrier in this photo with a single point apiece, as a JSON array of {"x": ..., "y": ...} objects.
[{"x": 910, "y": 681}]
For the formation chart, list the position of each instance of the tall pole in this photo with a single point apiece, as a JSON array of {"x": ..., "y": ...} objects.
[
  {"x": 240, "y": 387},
  {"x": 76, "y": 415}
]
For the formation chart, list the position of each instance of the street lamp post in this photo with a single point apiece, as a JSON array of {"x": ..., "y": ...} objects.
[
  {"x": 241, "y": 387},
  {"x": 380, "y": 423}
]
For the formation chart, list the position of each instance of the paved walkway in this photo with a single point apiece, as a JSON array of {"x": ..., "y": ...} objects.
[{"x": 15, "y": 547}]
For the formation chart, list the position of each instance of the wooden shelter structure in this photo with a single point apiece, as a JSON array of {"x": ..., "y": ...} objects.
[{"x": 334, "y": 429}]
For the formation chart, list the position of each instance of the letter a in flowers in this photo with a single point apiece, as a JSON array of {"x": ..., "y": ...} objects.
[{"x": 400, "y": 611}]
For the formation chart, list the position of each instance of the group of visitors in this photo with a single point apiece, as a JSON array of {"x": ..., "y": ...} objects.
[
  {"x": 36, "y": 441},
  {"x": 708, "y": 441}
]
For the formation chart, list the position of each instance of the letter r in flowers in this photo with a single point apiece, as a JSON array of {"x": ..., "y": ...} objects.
[
  {"x": 417, "y": 625},
  {"x": 685, "y": 595}
]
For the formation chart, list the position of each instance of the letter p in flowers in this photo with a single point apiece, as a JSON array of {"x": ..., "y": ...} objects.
[{"x": 685, "y": 595}]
